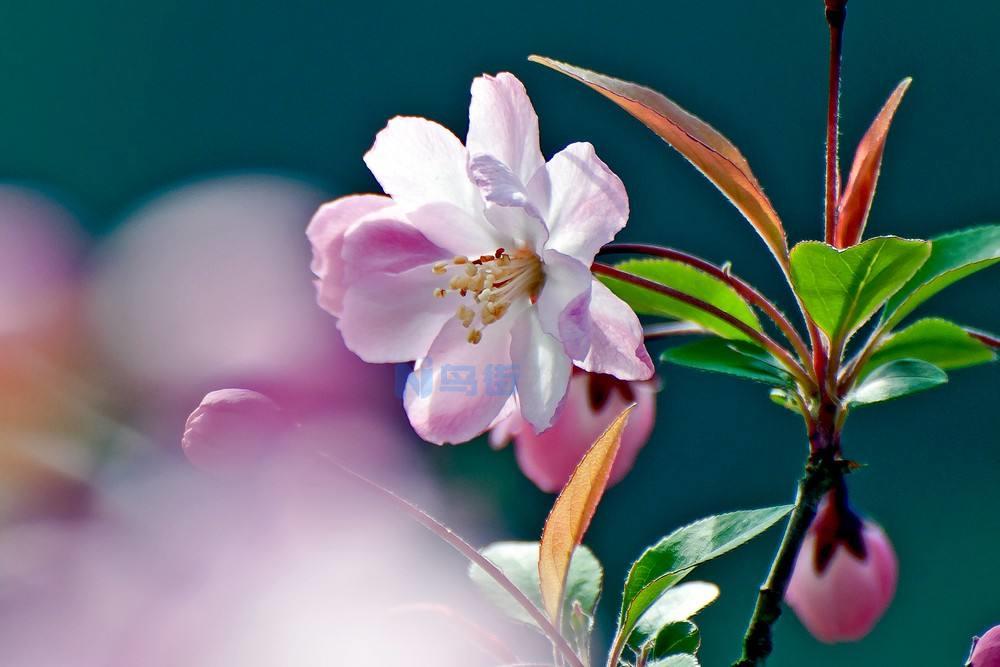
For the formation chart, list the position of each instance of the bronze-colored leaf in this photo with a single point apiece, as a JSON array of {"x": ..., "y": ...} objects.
[
  {"x": 856, "y": 201},
  {"x": 572, "y": 512},
  {"x": 710, "y": 152}
]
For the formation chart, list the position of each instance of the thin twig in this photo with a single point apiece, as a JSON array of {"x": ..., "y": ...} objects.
[
  {"x": 762, "y": 339},
  {"x": 836, "y": 13},
  {"x": 743, "y": 288}
]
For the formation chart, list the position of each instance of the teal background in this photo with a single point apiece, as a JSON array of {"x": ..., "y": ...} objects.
[{"x": 104, "y": 102}]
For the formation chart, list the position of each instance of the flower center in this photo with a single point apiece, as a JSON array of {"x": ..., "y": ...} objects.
[{"x": 493, "y": 282}]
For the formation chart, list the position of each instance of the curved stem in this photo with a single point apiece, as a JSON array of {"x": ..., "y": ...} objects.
[
  {"x": 668, "y": 329},
  {"x": 762, "y": 339},
  {"x": 743, "y": 288}
]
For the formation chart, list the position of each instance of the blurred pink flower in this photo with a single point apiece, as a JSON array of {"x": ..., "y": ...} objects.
[
  {"x": 234, "y": 428},
  {"x": 479, "y": 261},
  {"x": 592, "y": 402},
  {"x": 986, "y": 652},
  {"x": 845, "y": 576}
]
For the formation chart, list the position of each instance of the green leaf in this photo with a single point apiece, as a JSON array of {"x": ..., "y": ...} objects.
[
  {"x": 732, "y": 357},
  {"x": 841, "y": 289},
  {"x": 785, "y": 399},
  {"x": 685, "y": 279},
  {"x": 953, "y": 257},
  {"x": 680, "y": 660},
  {"x": 673, "y": 557},
  {"x": 678, "y": 637},
  {"x": 936, "y": 341},
  {"x": 519, "y": 562},
  {"x": 895, "y": 379},
  {"x": 677, "y": 604}
]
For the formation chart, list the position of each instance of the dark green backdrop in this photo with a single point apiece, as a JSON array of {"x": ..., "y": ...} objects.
[{"x": 107, "y": 101}]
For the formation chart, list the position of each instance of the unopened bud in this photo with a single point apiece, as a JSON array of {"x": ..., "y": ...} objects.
[
  {"x": 233, "y": 428},
  {"x": 986, "y": 650}
]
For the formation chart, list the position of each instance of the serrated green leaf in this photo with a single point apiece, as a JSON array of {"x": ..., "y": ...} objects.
[
  {"x": 691, "y": 281},
  {"x": 936, "y": 341},
  {"x": 895, "y": 379},
  {"x": 672, "y": 558},
  {"x": 842, "y": 289},
  {"x": 953, "y": 257},
  {"x": 732, "y": 357},
  {"x": 680, "y": 637},
  {"x": 680, "y": 660},
  {"x": 519, "y": 561},
  {"x": 679, "y": 603}
]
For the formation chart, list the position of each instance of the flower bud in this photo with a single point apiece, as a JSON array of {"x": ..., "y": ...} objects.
[
  {"x": 986, "y": 650},
  {"x": 592, "y": 402},
  {"x": 844, "y": 577},
  {"x": 233, "y": 428}
]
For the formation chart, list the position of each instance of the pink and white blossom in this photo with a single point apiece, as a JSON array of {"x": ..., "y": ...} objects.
[
  {"x": 476, "y": 263},
  {"x": 592, "y": 403}
]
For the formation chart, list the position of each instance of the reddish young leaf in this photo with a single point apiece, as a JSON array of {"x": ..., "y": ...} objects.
[
  {"x": 710, "y": 152},
  {"x": 856, "y": 201},
  {"x": 572, "y": 512}
]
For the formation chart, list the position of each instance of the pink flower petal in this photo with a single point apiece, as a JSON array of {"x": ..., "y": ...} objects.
[
  {"x": 389, "y": 318},
  {"x": 447, "y": 397},
  {"x": 503, "y": 123},
  {"x": 419, "y": 162},
  {"x": 549, "y": 458},
  {"x": 326, "y": 233},
  {"x": 616, "y": 340},
  {"x": 543, "y": 370},
  {"x": 387, "y": 246},
  {"x": 564, "y": 302},
  {"x": 583, "y": 202}
]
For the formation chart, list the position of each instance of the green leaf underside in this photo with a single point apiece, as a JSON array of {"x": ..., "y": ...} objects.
[
  {"x": 676, "y": 605},
  {"x": 785, "y": 400},
  {"x": 680, "y": 660},
  {"x": 953, "y": 257},
  {"x": 896, "y": 379},
  {"x": 663, "y": 565},
  {"x": 519, "y": 561},
  {"x": 678, "y": 637},
  {"x": 934, "y": 340},
  {"x": 731, "y": 357},
  {"x": 842, "y": 289},
  {"x": 685, "y": 279}
]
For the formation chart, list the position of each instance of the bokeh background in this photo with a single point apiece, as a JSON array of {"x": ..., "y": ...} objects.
[{"x": 169, "y": 147}]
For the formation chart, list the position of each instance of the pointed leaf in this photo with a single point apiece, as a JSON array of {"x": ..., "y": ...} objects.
[
  {"x": 731, "y": 357},
  {"x": 841, "y": 289},
  {"x": 677, "y": 604},
  {"x": 953, "y": 257},
  {"x": 785, "y": 399},
  {"x": 691, "y": 281},
  {"x": 519, "y": 562},
  {"x": 572, "y": 512},
  {"x": 895, "y": 379},
  {"x": 666, "y": 563},
  {"x": 710, "y": 152},
  {"x": 936, "y": 341},
  {"x": 856, "y": 202},
  {"x": 676, "y": 638}
]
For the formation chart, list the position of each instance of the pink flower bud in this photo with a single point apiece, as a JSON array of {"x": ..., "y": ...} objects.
[
  {"x": 591, "y": 404},
  {"x": 986, "y": 650},
  {"x": 844, "y": 577},
  {"x": 233, "y": 428}
]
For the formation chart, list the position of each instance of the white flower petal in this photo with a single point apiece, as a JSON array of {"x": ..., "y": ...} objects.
[
  {"x": 583, "y": 202},
  {"x": 543, "y": 371},
  {"x": 419, "y": 162},
  {"x": 503, "y": 123},
  {"x": 564, "y": 302}
]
